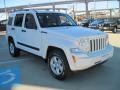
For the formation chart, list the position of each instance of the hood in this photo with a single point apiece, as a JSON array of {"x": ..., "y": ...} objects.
[
  {"x": 109, "y": 22},
  {"x": 75, "y": 31}
]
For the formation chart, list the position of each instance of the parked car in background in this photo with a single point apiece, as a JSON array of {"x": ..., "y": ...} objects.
[
  {"x": 3, "y": 25},
  {"x": 85, "y": 22},
  {"x": 96, "y": 23},
  {"x": 118, "y": 23},
  {"x": 110, "y": 24}
]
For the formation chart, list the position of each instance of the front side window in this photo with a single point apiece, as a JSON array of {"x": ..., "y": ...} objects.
[
  {"x": 30, "y": 22},
  {"x": 55, "y": 20},
  {"x": 18, "y": 20}
]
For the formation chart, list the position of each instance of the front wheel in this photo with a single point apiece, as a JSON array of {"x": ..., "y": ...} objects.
[
  {"x": 13, "y": 50},
  {"x": 58, "y": 64},
  {"x": 114, "y": 30}
]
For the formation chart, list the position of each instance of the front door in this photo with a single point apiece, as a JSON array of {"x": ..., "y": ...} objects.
[{"x": 31, "y": 36}]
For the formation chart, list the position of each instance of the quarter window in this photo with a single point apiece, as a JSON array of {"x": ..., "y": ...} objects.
[
  {"x": 30, "y": 22},
  {"x": 18, "y": 20}
]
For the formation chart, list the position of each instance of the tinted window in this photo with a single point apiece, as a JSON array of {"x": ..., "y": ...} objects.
[
  {"x": 18, "y": 20},
  {"x": 30, "y": 22},
  {"x": 55, "y": 20},
  {"x": 10, "y": 20},
  {"x": 118, "y": 21}
]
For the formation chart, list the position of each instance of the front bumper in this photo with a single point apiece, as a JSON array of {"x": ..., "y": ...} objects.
[
  {"x": 106, "y": 28},
  {"x": 82, "y": 62},
  {"x": 93, "y": 27}
]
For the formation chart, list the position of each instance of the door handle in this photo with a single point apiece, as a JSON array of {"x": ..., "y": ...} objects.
[
  {"x": 23, "y": 30},
  {"x": 12, "y": 28},
  {"x": 43, "y": 32}
]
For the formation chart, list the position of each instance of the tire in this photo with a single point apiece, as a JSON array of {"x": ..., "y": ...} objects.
[
  {"x": 58, "y": 64},
  {"x": 114, "y": 30},
  {"x": 15, "y": 52}
]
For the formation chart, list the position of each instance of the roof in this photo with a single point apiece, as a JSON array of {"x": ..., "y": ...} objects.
[{"x": 34, "y": 11}]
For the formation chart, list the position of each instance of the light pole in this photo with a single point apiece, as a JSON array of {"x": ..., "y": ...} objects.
[
  {"x": 94, "y": 8},
  {"x": 5, "y": 8},
  {"x": 119, "y": 7}
]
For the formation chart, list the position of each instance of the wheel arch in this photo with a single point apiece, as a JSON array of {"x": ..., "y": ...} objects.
[
  {"x": 10, "y": 38},
  {"x": 51, "y": 48}
]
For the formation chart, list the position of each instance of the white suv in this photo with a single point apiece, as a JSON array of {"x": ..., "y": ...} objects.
[{"x": 56, "y": 38}]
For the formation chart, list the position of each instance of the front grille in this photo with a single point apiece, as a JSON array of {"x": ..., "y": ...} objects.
[{"x": 97, "y": 44}]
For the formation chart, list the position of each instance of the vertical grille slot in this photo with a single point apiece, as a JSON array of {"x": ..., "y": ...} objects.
[
  {"x": 94, "y": 45},
  {"x": 91, "y": 45}
]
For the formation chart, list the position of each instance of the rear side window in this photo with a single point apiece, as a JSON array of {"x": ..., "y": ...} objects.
[
  {"x": 18, "y": 20},
  {"x": 10, "y": 20}
]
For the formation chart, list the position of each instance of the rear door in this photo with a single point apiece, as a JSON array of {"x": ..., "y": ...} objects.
[{"x": 17, "y": 27}]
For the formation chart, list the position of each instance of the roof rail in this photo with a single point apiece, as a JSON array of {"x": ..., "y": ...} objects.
[{"x": 15, "y": 10}]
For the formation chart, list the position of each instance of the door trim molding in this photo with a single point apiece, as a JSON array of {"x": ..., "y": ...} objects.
[{"x": 32, "y": 47}]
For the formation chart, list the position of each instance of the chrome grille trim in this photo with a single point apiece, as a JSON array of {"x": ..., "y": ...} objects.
[{"x": 97, "y": 44}]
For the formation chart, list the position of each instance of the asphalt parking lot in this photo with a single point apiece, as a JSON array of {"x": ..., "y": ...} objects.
[{"x": 31, "y": 70}]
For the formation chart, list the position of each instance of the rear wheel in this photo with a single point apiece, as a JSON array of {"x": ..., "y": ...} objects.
[
  {"x": 58, "y": 64},
  {"x": 13, "y": 50}
]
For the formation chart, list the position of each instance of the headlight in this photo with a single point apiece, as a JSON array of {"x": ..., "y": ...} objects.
[
  {"x": 99, "y": 25},
  {"x": 110, "y": 25},
  {"x": 84, "y": 45}
]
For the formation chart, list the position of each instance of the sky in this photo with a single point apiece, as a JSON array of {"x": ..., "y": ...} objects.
[
  {"x": 78, "y": 6},
  {"x": 81, "y": 6}
]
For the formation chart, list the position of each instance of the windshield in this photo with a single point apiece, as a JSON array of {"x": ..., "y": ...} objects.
[
  {"x": 55, "y": 20},
  {"x": 110, "y": 20},
  {"x": 97, "y": 21}
]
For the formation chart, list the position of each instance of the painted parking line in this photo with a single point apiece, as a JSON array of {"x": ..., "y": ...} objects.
[
  {"x": 28, "y": 87},
  {"x": 14, "y": 61}
]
